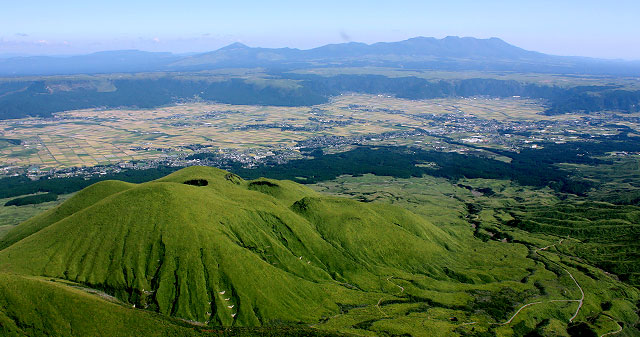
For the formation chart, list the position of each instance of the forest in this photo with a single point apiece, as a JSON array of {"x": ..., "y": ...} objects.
[{"x": 22, "y": 98}]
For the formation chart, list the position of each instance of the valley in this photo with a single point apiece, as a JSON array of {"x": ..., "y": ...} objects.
[{"x": 74, "y": 142}]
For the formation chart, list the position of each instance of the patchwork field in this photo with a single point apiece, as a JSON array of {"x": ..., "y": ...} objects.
[{"x": 99, "y": 137}]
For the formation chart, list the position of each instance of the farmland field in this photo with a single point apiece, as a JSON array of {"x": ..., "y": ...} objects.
[{"x": 102, "y": 137}]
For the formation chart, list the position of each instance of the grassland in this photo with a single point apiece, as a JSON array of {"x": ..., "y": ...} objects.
[
  {"x": 485, "y": 207},
  {"x": 423, "y": 256},
  {"x": 38, "y": 306},
  {"x": 337, "y": 265},
  {"x": 11, "y": 216}
]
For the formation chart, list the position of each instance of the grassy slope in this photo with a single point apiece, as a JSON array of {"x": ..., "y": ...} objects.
[
  {"x": 64, "y": 311},
  {"x": 607, "y": 233},
  {"x": 78, "y": 202},
  {"x": 505, "y": 275},
  {"x": 173, "y": 248},
  {"x": 284, "y": 254},
  {"x": 35, "y": 306},
  {"x": 11, "y": 216}
]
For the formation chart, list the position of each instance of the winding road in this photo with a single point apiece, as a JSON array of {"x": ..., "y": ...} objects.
[
  {"x": 537, "y": 251},
  {"x": 580, "y": 301},
  {"x": 612, "y": 332}
]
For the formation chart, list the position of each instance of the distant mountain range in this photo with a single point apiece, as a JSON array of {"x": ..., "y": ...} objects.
[{"x": 450, "y": 53}]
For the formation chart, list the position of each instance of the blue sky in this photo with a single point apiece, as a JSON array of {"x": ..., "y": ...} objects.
[{"x": 606, "y": 29}]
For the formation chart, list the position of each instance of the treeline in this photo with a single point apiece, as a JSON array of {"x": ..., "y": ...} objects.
[
  {"x": 592, "y": 101},
  {"x": 21, "y": 99},
  {"x": 560, "y": 100},
  {"x": 35, "y": 99},
  {"x": 419, "y": 88},
  {"x": 21, "y": 185},
  {"x": 32, "y": 199},
  {"x": 532, "y": 169}
]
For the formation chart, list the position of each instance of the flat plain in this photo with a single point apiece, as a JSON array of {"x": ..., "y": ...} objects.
[{"x": 102, "y": 137}]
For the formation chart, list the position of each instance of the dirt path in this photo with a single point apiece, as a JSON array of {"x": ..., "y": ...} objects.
[
  {"x": 580, "y": 301},
  {"x": 613, "y": 332},
  {"x": 380, "y": 300},
  {"x": 401, "y": 288},
  {"x": 516, "y": 313},
  {"x": 581, "y": 298}
]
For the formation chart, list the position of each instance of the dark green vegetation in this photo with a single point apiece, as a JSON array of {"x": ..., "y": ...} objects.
[
  {"x": 10, "y": 216},
  {"x": 560, "y": 100},
  {"x": 20, "y": 185},
  {"x": 389, "y": 161},
  {"x": 275, "y": 254},
  {"x": 4, "y": 142},
  {"x": 618, "y": 181},
  {"x": 32, "y": 199},
  {"x": 42, "y": 97},
  {"x": 532, "y": 167},
  {"x": 38, "y": 98}
]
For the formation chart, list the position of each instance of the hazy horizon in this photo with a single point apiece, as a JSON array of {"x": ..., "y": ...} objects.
[{"x": 571, "y": 28}]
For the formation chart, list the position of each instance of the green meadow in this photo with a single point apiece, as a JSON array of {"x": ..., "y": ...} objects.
[{"x": 205, "y": 252}]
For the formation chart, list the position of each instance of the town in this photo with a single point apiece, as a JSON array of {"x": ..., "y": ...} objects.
[{"x": 183, "y": 136}]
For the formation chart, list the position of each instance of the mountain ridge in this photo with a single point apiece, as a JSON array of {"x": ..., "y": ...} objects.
[{"x": 451, "y": 53}]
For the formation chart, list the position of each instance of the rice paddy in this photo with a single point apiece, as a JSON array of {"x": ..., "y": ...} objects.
[{"x": 102, "y": 137}]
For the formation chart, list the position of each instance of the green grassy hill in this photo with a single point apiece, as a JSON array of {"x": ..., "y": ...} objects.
[
  {"x": 202, "y": 249},
  {"x": 230, "y": 252}
]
